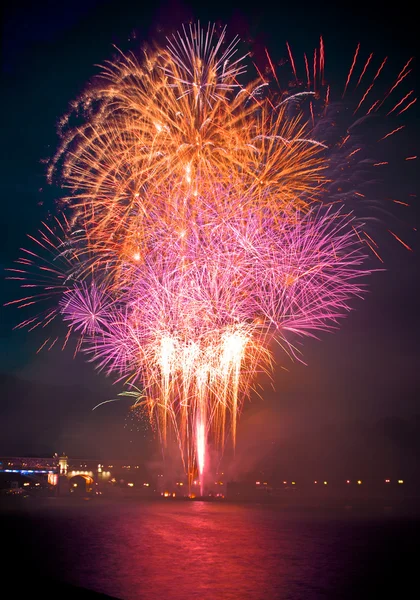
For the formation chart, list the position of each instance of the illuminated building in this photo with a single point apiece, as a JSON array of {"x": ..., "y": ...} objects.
[{"x": 63, "y": 462}]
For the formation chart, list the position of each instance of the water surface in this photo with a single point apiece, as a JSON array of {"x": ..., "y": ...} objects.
[{"x": 178, "y": 550}]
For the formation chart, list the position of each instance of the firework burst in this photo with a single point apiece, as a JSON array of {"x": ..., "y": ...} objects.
[{"x": 202, "y": 228}]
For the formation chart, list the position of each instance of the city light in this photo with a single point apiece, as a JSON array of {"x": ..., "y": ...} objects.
[{"x": 56, "y": 478}]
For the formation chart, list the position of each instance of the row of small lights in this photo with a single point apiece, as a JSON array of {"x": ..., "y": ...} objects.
[
  {"x": 112, "y": 466},
  {"x": 348, "y": 481},
  {"x": 180, "y": 483},
  {"x": 359, "y": 482},
  {"x": 23, "y": 465},
  {"x": 130, "y": 484},
  {"x": 24, "y": 471},
  {"x": 173, "y": 495}
]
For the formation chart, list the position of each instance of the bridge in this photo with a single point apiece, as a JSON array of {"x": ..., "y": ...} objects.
[
  {"x": 78, "y": 475},
  {"x": 60, "y": 475},
  {"x": 13, "y": 464}
]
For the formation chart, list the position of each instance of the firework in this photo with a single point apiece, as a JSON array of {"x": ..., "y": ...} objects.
[
  {"x": 160, "y": 132},
  {"x": 194, "y": 324},
  {"x": 202, "y": 228}
]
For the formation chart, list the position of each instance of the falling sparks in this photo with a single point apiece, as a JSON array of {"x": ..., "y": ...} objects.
[
  {"x": 400, "y": 102},
  {"x": 400, "y": 240},
  {"x": 364, "y": 69},
  {"x": 392, "y": 132},
  {"x": 292, "y": 62},
  {"x": 408, "y": 106},
  {"x": 351, "y": 69}
]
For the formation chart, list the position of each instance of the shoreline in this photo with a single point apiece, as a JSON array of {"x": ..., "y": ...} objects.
[{"x": 409, "y": 506}]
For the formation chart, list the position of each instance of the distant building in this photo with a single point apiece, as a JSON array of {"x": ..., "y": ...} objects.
[{"x": 63, "y": 464}]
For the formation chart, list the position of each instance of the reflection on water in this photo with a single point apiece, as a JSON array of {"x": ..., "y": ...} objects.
[{"x": 180, "y": 550}]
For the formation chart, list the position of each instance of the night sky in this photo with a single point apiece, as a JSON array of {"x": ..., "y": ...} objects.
[{"x": 356, "y": 401}]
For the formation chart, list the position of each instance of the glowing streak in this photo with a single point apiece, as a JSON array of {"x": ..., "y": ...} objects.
[
  {"x": 292, "y": 62},
  {"x": 272, "y": 67},
  {"x": 102, "y": 403},
  {"x": 392, "y": 132},
  {"x": 364, "y": 69},
  {"x": 321, "y": 59},
  {"x": 400, "y": 78},
  {"x": 351, "y": 70},
  {"x": 327, "y": 97},
  {"x": 400, "y": 102},
  {"x": 408, "y": 106},
  {"x": 378, "y": 72},
  {"x": 201, "y": 448},
  {"x": 43, "y": 345},
  {"x": 400, "y": 240},
  {"x": 374, "y": 105},
  {"x": 308, "y": 78},
  {"x": 363, "y": 98},
  {"x": 369, "y": 237},
  {"x": 374, "y": 251},
  {"x": 344, "y": 140}
]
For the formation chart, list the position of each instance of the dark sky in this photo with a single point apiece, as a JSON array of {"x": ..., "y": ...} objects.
[{"x": 359, "y": 392}]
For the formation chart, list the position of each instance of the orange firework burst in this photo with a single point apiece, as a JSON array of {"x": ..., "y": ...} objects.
[{"x": 173, "y": 125}]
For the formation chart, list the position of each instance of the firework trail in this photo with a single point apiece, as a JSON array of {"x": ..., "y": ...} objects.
[{"x": 201, "y": 227}]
